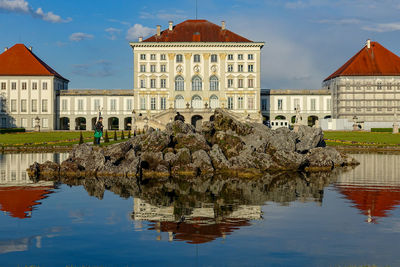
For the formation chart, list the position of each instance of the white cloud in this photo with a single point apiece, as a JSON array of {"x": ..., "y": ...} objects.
[
  {"x": 80, "y": 36},
  {"x": 295, "y": 5},
  {"x": 113, "y": 33},
  {"x": 100, "y": 68},
  {"x": 138, "y": 30},
  {"x": 164, "y": 15},
  {"x": 22, "y": 6},
  {"x": 339, "y": 21},
  {"x": 119, "y": 21},
  {"x": 383, "y": 27}
]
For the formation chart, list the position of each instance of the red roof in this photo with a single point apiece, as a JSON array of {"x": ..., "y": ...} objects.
[
  {"x": 20, "y": 61},
  {"x": 373, "y": 61},
  {"x": 20, "y": 200},
  {"x": 197, "y": 31},
  {"x": 374, "y": 202}
]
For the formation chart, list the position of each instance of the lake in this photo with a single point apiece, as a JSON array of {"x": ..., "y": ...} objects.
[{"x": 349, "y": 217}]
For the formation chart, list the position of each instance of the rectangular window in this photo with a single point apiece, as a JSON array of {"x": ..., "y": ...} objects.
[
  {"x": 230, "y": 57},
  {"x": 153, "y": 103},
  {"x": 250, "y": 103},
  {"x": 250, "y": 57},
  {"x": 13, "y": 86},
  {"x": 152, "y": 68},
  {"x": 240, "y": 56},
  {"x": 328, "y": 104},
  {"x": 230, "y": 102},
  {"x": 45, "y": 123},
  {"x": 34, "y": 105},
  {"x": 196, "y": 58},
  {"x": 80, "y": 104},
  {"x": 142, "y": 68},
  {"x": 230, "y": 68},
  {"x": 24, "y": 123},
  {"x": 230, "y": 83},
  {"x": 23, "y": 85},
  {"x": 153, "y": 83},
  {"x": 179, "y": 58},
  {"x": 264, "y": 104},
  {"x": 240, "y": 102},
  {"x": 3, "y": 86},
  {"x": 240, "y": 68},
  {"x": 13, "y": 105},
  {"x": 313, "y": 105},
  {"x": 23, "y": 105},
  {"x": 153, "y": 57},
  {"x": 163, "y": 83},
  {"x": 129, "y": 104},
  {"x": 240, "y": 83},
  {"x": 96, "y": 104},
  {"x": 64, "y": 104},
  {"x": 250, "y": 68},
  {"x": 143, "y": 56},
  {"x": 163, "y": 68},
  {"x": 113, "y": 104},
  {"x": 214, "y": 58},
  {"x": 251, "y": 83},
  {"x": 44, "y": 86},
  {"x": 280, "y": 104},
  {"x": 142, "y": 83},
  {"x": 143, "y": 103},
  {"x": 163, "y": 103},
  {"x": 34, "y": 86},
  {"x": 3, "y": 105},
  {"x": 162, "y": 57}
]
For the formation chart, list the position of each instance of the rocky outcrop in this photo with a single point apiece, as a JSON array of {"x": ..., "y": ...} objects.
[{"x": 224, "y": 145}]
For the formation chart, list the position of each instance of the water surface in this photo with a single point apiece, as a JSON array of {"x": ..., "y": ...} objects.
[{"x": 342, "y": 218}]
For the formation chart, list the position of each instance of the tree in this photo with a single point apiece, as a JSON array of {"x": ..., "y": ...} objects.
[
  {"x": 81, "y": 139},
  {"x": 122, "y": 135},
  {"x": 106, "y": 139},
  {"x": 115, "y": 135}
]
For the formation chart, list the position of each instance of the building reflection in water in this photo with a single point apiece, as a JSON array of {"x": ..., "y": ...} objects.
[
  {"x": 374, "y": 187},
  {"x": 198, "y": 225},
  {"x": 18, "y": 194}
]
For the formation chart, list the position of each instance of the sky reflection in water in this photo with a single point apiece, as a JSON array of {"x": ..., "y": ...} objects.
[{"x": 339, "y": 219}]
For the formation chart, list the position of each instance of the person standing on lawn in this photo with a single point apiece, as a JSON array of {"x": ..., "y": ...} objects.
[{"x": 98, "y": 130}]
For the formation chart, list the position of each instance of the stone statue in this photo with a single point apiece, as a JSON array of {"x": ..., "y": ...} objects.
[{"x": 298, "y": 116}]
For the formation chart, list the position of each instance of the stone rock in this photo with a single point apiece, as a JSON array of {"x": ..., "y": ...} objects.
[
  {"x": 223, "y": 121},
  {"x": 309, "y": 138},
  {"x": 218, "y": 158},
  {"x": 202, "y": 161},
  {"x": 192, "y": 141},
  {"x": 183, "y": 162},
  {"x": 178, "y": 126},
  {"x": 230, "y": 144}
]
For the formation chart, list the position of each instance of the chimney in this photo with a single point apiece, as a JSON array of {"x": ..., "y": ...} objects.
[
  {"x": 30, "y": 48},
  {"x": 368, "y": 43},
  {"x": 158, "y": 30},
  {"x": 170, "y": 25},
  {"x": 5, "y": 49},
  {"x": 223, "y": 25},
  {"x": 140, "y": 39}
]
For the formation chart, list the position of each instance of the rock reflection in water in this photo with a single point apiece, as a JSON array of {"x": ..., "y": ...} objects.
[
  {"x": 202, "y": 209},
  {"x": 374, "y": 189}
]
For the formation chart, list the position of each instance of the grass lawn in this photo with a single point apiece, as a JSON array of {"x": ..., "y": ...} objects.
[
  {"x": 339, "y": 138},
  {"x": 56, "y": 138}
]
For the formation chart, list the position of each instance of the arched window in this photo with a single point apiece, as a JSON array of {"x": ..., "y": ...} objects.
[
  {"x": 196, "y": 83},
  {"x": 214, "y": 83},
  {"x": 179, "y": 102},
  {"x": 197, "y": 102},
  {"x": 214, "y": 102},
  {"x": 179, "y": 58},
  {"x": 179, "y": 83}
]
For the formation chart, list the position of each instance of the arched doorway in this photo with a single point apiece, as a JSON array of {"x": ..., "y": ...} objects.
[
  {"x": 80, "y": 123},
  {"x": 328, "y": 117},
  {"x": 64, "y": 123},
  {"x": 311, "y": 120},
  {"x": 197, "y": 102},
  {"x": 127, "y": 123},
  {"x": 113, "y": 123},
  {"x": 214, "y": 102},
  {"x": 94, "y": 120},
  {"x": 280, "y": 117},
  {"x": 196, "y": 120},
  {"x": 179, "y": 102}
]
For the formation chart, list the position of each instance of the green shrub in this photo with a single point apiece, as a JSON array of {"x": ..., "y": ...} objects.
[
  {"x": 382, "y": 130},
  {"x": 122, "y": 135},
  {"x": 12, "y": 130},
  {"x": 115, "y": 136},
  {"x": 106, "y": 139}
]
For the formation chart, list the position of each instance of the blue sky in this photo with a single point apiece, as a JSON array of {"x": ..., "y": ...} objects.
[{"x": 87, "y": 41}]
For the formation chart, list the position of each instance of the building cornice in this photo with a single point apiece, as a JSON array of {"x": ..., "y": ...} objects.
[{"x": 196, "y": 44}]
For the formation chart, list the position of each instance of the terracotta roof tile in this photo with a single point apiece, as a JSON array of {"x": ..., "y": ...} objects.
[
  {"x": 373, "y": 61},
  {"x": 20, "y": 61},
  {"x": 197, "y": 31}
]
